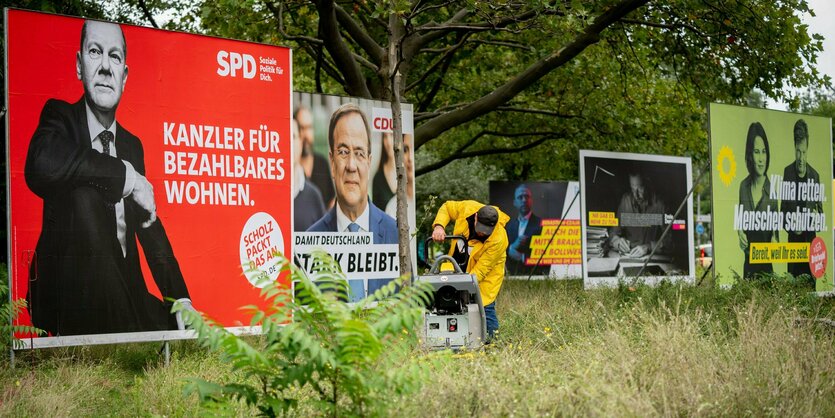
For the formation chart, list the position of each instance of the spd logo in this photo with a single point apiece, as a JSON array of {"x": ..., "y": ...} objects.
[{"x": 232, "y": 63}]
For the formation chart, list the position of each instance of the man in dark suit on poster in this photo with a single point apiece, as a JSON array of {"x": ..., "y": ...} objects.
[
  {"x": 350, "y": 156},
  {"x": 800, "y": 172},
  {"x": 520, "y": 229},
  {"x": 315, "y": 165},
  {"x": 307, "y": 199},
  {"x": 90, "y": 172}
]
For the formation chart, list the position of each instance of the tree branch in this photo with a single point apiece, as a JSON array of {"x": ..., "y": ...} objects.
[
  {"x": 508, "y": 44},
  {"x": 503, "y": 94},
  {"x": 366, "y": 63},
  {"x": 147, "y": 12},
  {"x": 460, "y": 154},
  {"x": 360, "y": 36},
  {"x": 337, "y": 48},
  {"x": 669, "y": 26},
  {"x": 436, "y": 87},
  {"x": 419, "y": 8},
  {"x": 327, "y": 66},
  {"x": 505, "y": 43},
  {"x": 435, "y": 31},
  {"x": 279, "y": 15},
  {"x": 469, "y": 28},
  {"x": 421, "y": 115},
  {"x": 419, "y": 41},
  {"x": 446, "y": 57},
  {"x": 536, "y": 112}
]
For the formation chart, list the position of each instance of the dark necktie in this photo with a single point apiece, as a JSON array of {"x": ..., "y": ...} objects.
[
  {"x": 106, "y": 137},
  {"x": 353, "y": 227}
]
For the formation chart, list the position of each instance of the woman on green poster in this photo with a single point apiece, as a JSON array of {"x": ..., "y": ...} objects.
[{"x": 754, "y": 196}]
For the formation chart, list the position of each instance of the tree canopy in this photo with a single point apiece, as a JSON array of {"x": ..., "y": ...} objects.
[
  {"x": 523, "y": 84},
  {"x": 492, "y": 78}
]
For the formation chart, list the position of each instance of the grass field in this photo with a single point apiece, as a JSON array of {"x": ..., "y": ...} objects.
[{"x": 755, "y": 350}]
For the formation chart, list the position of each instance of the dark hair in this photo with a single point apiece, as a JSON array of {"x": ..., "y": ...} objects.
[
  {"x": 801, "y": 132},
  {"x": 341, "y": 111},
  {"x": 754, "y": 131},
  {"x": 84, "y": 35},
  {"x": 384, "y": 155}
]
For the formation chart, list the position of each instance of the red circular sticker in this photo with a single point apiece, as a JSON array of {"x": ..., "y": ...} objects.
[{"x": 817, "y": 257}]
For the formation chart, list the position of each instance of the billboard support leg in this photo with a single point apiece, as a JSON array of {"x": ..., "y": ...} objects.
[
  {"x": 11, "y": 358},
  {"x": 165, "y": 350}
]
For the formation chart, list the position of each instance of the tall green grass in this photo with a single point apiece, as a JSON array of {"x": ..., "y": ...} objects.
[{"x": 754, "y": 350}]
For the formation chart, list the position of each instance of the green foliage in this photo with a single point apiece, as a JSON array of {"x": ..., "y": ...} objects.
[
  {"x": 166, "y": 14},
  {"x": 318, "y": 349},
  {"x": 471, "y": 181},
  {"x": 671, "y": 350},
  {"x": 9, "y": 309},
  {"x": 642, "y": 85}
]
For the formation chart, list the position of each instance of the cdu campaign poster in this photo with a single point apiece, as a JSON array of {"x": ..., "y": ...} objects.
[
  {"x": 771, "y": 178},
  {"x": 344, "y": 187},
  {"x": 633, "y": 230},
  {"x": 544, "y": 228},
  {"x": 144, "y": 166}
]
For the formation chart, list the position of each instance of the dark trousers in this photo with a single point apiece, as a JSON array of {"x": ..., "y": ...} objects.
[{"x": 492, "y": 319}]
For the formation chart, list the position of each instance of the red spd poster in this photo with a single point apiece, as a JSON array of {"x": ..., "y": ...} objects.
[{"x": 144, "y": 166}]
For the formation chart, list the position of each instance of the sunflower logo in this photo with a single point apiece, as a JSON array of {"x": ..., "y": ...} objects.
[{"x": 726, "y": 153}]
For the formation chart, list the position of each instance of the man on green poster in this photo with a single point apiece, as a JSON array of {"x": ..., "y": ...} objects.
[{"x": 800, "y": 172}]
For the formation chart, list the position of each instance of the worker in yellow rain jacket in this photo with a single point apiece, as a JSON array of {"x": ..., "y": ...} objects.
[{"x": 484, "y": 227}]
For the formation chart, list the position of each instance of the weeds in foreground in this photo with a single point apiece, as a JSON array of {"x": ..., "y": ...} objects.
[
  {"x": 9, "y": 310},
  {"x": 672, "y": 350},
  {"x": 318, "y": 350}
]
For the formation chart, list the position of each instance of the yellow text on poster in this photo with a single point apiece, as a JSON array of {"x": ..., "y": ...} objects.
[
  {"x": 564, "y": 248},
  {"x": 779, "y": 252},
  {"x": 602, "y": 219}
]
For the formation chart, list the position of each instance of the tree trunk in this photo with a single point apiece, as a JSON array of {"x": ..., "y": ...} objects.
[{"x": 397, "y": 31}]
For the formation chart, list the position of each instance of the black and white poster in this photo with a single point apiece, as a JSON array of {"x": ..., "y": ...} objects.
[{"x": 631, "y": 232}]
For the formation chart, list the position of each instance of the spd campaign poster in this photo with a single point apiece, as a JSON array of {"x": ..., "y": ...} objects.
[
  {"x": 631, "y": 231},
  {"x": 144, "y": 166},
  {"x": 771, "y": 178},
  {"x": 344, "y": 190},
  {"x": 544, "y": 228}
]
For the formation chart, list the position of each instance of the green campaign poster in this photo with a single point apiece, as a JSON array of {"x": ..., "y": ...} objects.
[{"x": 771, "y": 178}]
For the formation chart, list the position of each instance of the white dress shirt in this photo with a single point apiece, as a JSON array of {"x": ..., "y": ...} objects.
[
  {"x": 95, "y": 129},
  {"x": 523, "y": 224},
  {"x": 298, "y": 180},
  {"x": 342, "y": 221}
]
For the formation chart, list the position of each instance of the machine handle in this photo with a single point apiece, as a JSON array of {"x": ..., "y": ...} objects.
[
  {"x": 448, "y": 237},
  {"x": 436, "y": 264}
]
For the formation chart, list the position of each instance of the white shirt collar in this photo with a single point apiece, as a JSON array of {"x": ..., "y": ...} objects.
[
  {"x": 298, "y": 180},
  {"x": 95, "y": 128},
  {"x": 523, "y": 223},
  {"x": 342, "y": 221}
]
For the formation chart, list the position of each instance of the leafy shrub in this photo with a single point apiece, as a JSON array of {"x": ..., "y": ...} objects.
[
  {"x": 9, "y": 309},
  {"x": 318, "y": 350}
]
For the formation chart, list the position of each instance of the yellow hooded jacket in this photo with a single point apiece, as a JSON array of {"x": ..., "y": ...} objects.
[{"x": 487, "y": 259}]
